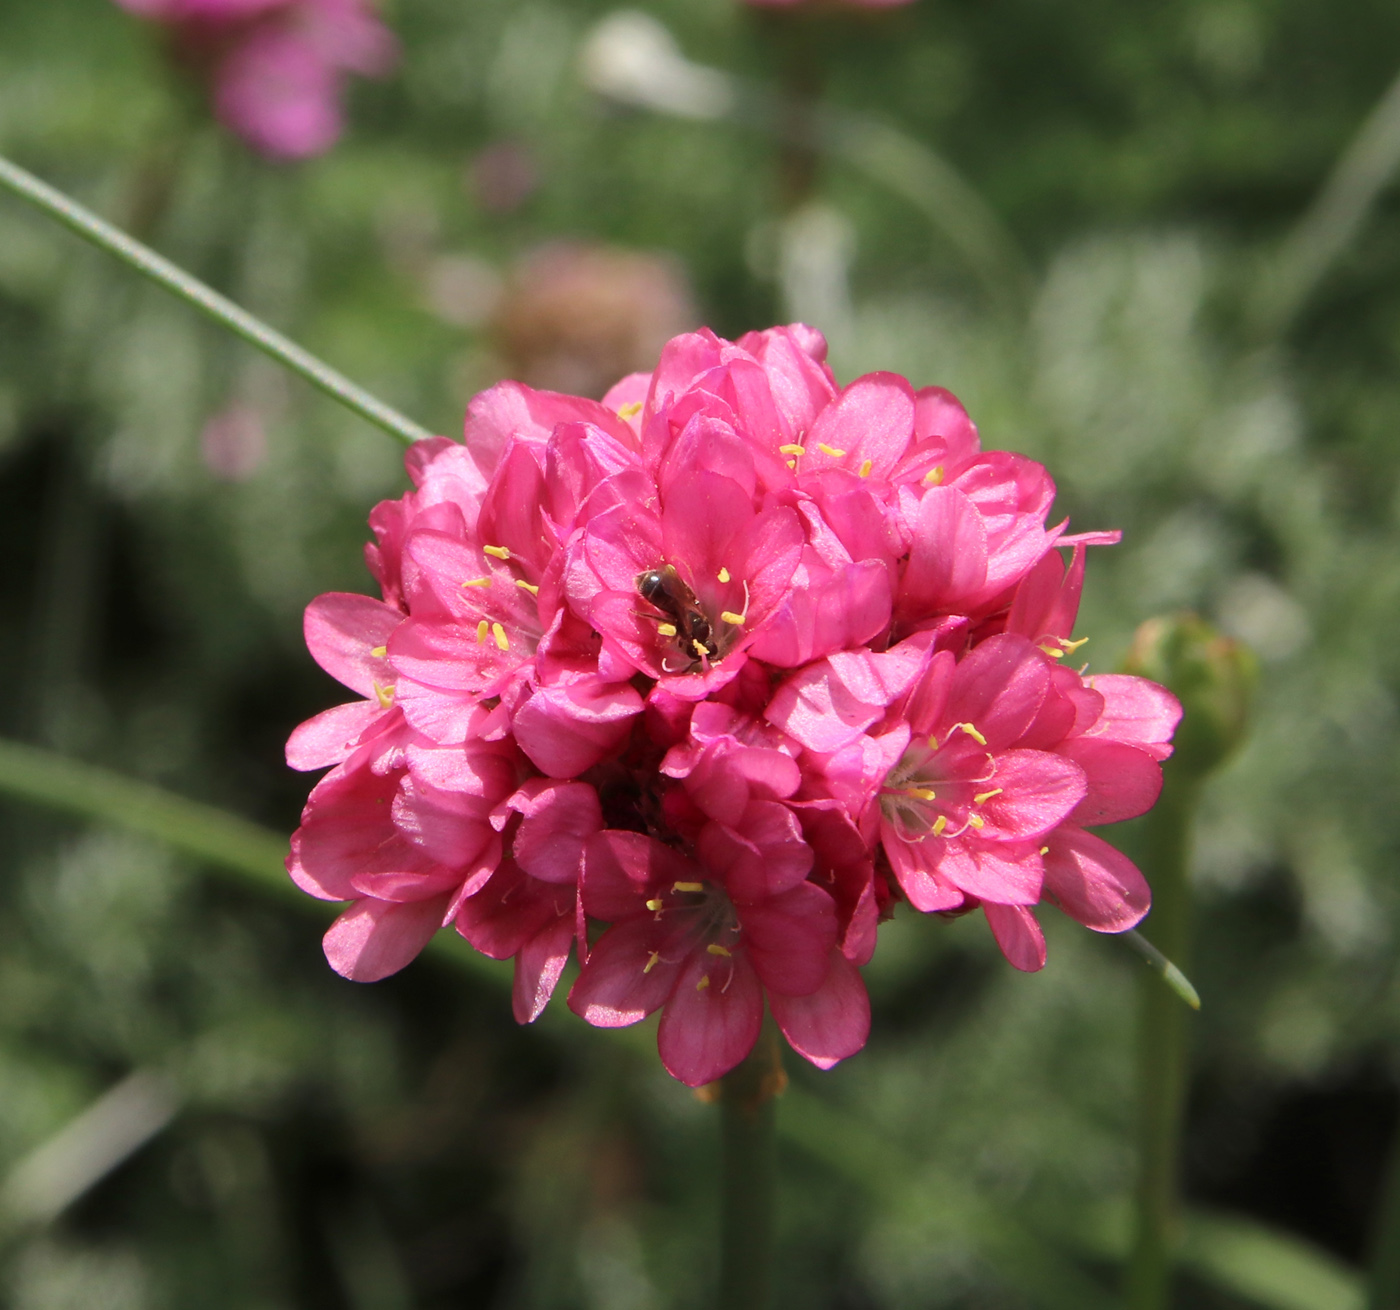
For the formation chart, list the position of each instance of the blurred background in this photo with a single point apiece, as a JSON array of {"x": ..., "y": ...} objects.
[{"x": 1149, "y": 244}]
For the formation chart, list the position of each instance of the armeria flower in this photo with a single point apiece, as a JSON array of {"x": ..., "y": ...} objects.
[
  {"x": 277, "y": 67},
  {"x": 700, "y": 682}
]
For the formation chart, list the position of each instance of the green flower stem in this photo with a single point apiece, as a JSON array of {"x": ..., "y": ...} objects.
[
  {"x": 1162, "y": 1044},
  {"x": 1383, "y": 1280},
  {"x": 748, "y": 1128},
  {"x": 253, "y": 330}
]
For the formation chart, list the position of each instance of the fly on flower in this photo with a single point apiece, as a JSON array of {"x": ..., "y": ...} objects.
[{"x": 699, "y": 683}]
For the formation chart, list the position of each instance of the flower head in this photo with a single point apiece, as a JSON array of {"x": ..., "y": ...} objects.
[
  {"x": 277, "y": 67},
  {"x": 699, "y": 681}
]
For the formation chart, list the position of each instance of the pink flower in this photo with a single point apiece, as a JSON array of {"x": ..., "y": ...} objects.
[
  {"x": 278, "y": 66},
  {"x": 700, "y": 682}
]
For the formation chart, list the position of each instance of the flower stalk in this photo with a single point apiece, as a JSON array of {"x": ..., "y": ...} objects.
[
  {"x": 748, "y": 1127},
  {"x": 143, "y": 259}
]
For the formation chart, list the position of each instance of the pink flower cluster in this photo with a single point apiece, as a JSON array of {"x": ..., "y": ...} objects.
[
  {"x": 698, "y": 681},
  {"x": 277, "y": 66}
]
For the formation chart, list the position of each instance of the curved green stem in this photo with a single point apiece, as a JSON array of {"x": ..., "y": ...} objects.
[
  {"x": 190, "y": 289},
  {"x": 1162, "y": 1051}
]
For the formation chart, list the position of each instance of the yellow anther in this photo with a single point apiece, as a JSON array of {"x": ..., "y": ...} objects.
[
  {"x": 1054, "y": 652},
  {"x": 651, "y": 962},
  {"x": 500, "y": 552},
  {"x": 723, "y": 574},
  {"x": 976, "y": 821},
  {"x": 923, "y": 793},
  {"x": 655, "y": 906},
  {"x": 730, "y": 617},
  {"x": 715, "y": 948},
  {"x": 972, "y": 732},
  {"x": 700, "y": 649},
  {"x": 477, "y": 582},
  {"x": 379, "y": 652},
  {"x": 384, "y": 695},
  {"x": 630, "y": 411},
  {"x": 527, "y": 586},
  {"x": 666, "y": 629},
  {"x": 934, "y": 477},
  {"x": 792, "y": 464},
  {"x": 985, "y": 796},
  {"x": 1045, "y": 850},
  {"x": 866, "y": 467},
  {"x": 1069, "y": 647},
  {"x": 482, "y": 629},
  {"x": 500, "y": 635},
  {"x": 830, "y": 450},
  {"x": 687, "y": 886},
  {"x": 939, "y": 825},
  {"x": 792, "y": 449},
  {"x": 703, "y": 983}
]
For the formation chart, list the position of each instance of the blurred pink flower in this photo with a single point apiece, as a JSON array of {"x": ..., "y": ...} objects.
[
  {"x": 699, "y": 682},
  {"x": 277, "y": 67}
]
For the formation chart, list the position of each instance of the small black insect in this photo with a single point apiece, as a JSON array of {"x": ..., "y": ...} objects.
[{"x": 665, "y": 589}]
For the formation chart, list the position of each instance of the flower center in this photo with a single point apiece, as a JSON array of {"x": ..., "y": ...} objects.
[{"x": 937, "y": 788}]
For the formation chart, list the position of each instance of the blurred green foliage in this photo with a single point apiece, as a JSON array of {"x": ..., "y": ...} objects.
[{"x": 403, "y": 1145}]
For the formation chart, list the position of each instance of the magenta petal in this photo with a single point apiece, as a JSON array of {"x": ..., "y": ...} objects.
[
  {"x": 568, "y": 729},
  {"x": 330, "y": 736},
  {"x": 948, "y": 561},
  {"x": 708, "y": 1029},
  {"x": 373, "y": 939},
  {"x": 1136, "y": 711},
  {"x": 1039, "y": 790},
  {"x": 616, "y": 988},
  {"x": 999, "y": 688},
  {"x": 1018, "y": 934},
  {"x": 538, "y": 967},
  {"x": 622, "y": 869},
  {"x": 916, "y": 868},
  {"x": 1124, "y": 781},
  {"x": 342, "y": 630},
  {"x": 830, "y": 1023},
  {"x": 996, "y": 871},
  {"x": 1094, "y": 883},
  {"x": 790, "y": 937},
  {"x": 559, "y": 818},
  {"x": 872, "y": 419}
]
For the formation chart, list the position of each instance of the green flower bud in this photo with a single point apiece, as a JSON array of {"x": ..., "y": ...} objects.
[{"x": 1212, "y": 675}]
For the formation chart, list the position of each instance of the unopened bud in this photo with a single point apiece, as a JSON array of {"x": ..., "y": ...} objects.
[{"x": 1213, "y": 677}]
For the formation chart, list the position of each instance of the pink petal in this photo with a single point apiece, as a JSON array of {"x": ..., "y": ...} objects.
[
  {"x": 916, "y": 868},
  {"x": 568, "y": 729},
  {"x": 616, "y": 988},
  {"x": 330, "y": 736},
  {"x": 558, "y": 819},
  {"x": 1039, "y": 790},
  {"x": 762, "y": 855},
  {"x": 1136, "y": 711},
  {"x": 1124, "y": 781},
  {"x": 1018, "y": 934},
  {"x": 828, "y": 705},
  {"x": 993, "y": 871},
  {"x": 538, "y": 968},
  {"x": 832, "y": 1022},
  {"x": 872, "y": 419},
  {"x": 706, "y": 1031},
  {"x": 373, "y": 939},
  {"x": 623, "y": 869},
  {"x": 948, "y": 561},
  {"x": 1094, "y": 883},
  {"x": 342, "y": 630},
  {"x": 790, "y": 938},
  {"x": 999, "y": 688}
]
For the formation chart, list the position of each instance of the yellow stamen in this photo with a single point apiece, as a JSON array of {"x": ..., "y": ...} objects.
[
  {"x": 527, "y": 586},
  {"x": 934, "y": 477},
  {"x": 700, "y": 649},
  {"x": 379, "y": 652},
  {"x": 715, "y": 948},
  {"x": 482, "y": 629},
  {"x": 666, "y": 629},
  {"x": 651, "y": 963},
  {"x": 923, "y": 793},
  {"x": 985, "y": 796},
  {"x": 866, "y": 467},
  {"x": 723, "y": 574},
  {"x": 630, "y": 411},
  {"x": 500, "y": 552},
  {"x": 1054, "y": 652},
  {"x": 477, "y": 582},
  {"x": 792, "y": 449},
  {"x": 830, "y": 450},
  {"x": 655, "y": 906},
  {"x": 730, "y": 617},
  {"x": 1045, "y": 850},
  {"x": 792, "y": 464},
  {"x": 939, "y": 824},
  {"x": 977, "y": 821},
  {"x": 385, "y": 696},
  {"x": 1070, "y": 647},
  {"x": 971, "y": 732},
  {"x": 687, "y": 886},
  {"x": 500, "y": 635},
  {"x": 703, "y": 983}
]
